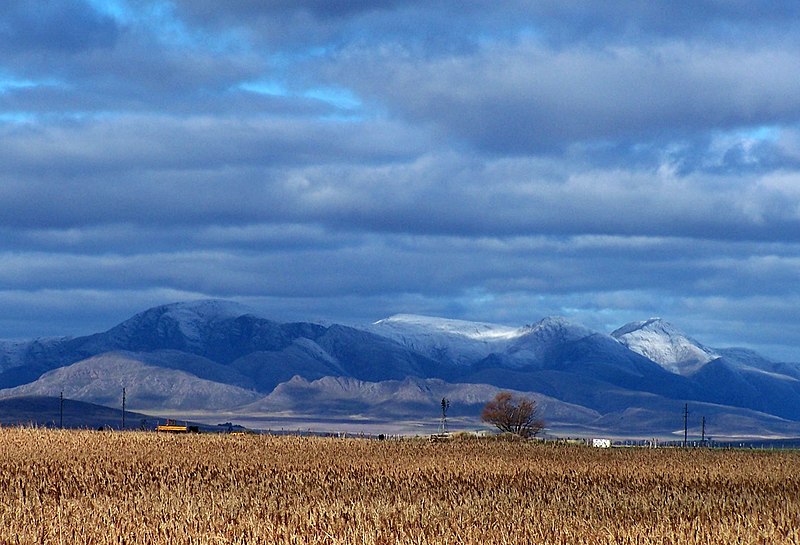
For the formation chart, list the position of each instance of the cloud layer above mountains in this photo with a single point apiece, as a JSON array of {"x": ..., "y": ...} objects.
[{"x": 349, "y": 160}]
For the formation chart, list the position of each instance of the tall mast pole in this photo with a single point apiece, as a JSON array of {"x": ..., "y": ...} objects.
[
  {"x": 685, "y": 424},
  {"x": 123, "y": 408}
]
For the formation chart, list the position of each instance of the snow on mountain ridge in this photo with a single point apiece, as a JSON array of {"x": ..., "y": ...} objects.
[
  {"x": 457, "y": 341},
  {"x": 541, "y": 338},
  {"x": 661, "y": 342},
  {"x": 634, "y": 326},
  {"x": 205, "y": 310},
  {"x": 464, "y": 343},
  {"x": 190, "y": 318},
  {"x": 559, "y": 326},
  {"x": 14, "y": 353},
  {"x": 470, "y": 330}
]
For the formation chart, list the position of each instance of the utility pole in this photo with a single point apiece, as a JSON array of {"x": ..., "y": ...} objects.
[
  {"x": 123, "y": 408},
  {"x": 685, "y": 424},
  {"x": 61, "y": 411},
  {"x": 703, "y": 436}
]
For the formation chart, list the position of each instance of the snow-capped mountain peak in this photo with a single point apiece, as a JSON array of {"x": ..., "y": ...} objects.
[
  {"x": 207, "y": 309},
  {"x": 457, "y": 341},
  {"x": 558, "y": 326},
  {"x": 664, "y": 344},
  {"x": 184, "y": 324}
]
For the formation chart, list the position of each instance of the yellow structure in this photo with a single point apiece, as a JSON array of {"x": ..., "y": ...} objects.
[{"x": 173, "y": 427}]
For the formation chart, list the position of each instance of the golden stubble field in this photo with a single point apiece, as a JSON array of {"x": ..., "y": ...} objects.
[{"x": 144, "y": 488}]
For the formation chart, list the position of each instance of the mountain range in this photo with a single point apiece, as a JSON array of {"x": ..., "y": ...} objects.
[{"x": 217, "y": 360}]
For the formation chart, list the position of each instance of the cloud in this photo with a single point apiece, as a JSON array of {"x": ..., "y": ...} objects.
[
  {"x": 55, "y": 26},
  {"x": 557, "y": 20},
  {"x": 85, "y": 62},
  {"x": 524, "y": 98},
  {"x": 168, "y": 143},
  {"x": 377, "y": 178},
  {"x": 348, "y": 160},
  {"x": 292, "y": 272}
]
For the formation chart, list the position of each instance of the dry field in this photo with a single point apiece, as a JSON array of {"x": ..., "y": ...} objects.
[{"x": 143, "y": 488}]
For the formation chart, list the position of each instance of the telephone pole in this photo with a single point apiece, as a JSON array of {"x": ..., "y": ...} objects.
[
  {"x": 61, "y": 410},
  {"x": 703, "y": 436},
  {"x": 685, "y": 424},
  {"x": 123, "y": 408}
]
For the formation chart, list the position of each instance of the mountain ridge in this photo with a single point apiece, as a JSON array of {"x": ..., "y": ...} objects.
[{"x": 217, "y": 356}]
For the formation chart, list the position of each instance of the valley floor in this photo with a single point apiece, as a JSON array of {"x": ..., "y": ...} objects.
[{"x": 142, "y": 487}]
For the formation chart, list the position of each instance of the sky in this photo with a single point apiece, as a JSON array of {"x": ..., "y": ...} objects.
[{"x": 343, "y": 161}]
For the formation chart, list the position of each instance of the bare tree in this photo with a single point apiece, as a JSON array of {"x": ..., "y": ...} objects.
[{"x": 512, "y": 414}]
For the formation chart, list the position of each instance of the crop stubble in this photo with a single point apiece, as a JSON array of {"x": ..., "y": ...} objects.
[{"x": 144, "y": 488}]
